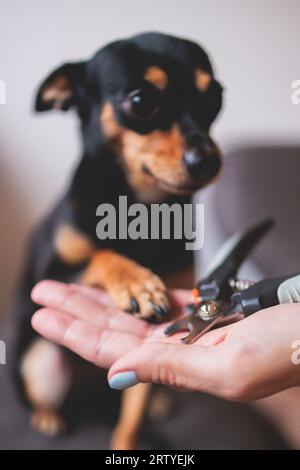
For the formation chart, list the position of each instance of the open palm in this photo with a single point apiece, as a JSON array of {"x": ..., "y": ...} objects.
[{"x": 245, "y": 360}]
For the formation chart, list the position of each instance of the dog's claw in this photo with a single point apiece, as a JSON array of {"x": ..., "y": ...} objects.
[
  {"x": 134, "y": 305},
  {"x": 160, "y": 310}
]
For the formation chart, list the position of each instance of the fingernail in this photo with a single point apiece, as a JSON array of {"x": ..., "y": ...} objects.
[{"x": 123, "y": 380}]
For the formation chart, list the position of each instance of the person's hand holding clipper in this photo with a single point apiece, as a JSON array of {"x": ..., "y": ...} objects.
[{"x": 244, "y": 360}]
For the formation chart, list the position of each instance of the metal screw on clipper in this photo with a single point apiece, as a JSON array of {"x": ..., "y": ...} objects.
[{"x": 208, "y": 310}]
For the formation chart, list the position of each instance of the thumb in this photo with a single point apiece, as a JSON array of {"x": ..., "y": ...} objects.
[{"x": 171, "y": 364}]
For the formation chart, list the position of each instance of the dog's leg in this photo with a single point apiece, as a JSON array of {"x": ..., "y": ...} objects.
[
  {"x": 133, "y": 407},
  {"x": 47, "y": 378}
]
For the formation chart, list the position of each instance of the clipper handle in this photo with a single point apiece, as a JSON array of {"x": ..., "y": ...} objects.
[
  {"x": 228, "y": 260},
  {"x": 269, "y": 292}
]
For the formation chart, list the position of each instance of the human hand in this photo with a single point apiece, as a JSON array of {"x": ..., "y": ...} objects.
[{"x": 243, "y": 361}]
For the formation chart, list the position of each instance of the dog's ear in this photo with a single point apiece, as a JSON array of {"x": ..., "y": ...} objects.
[
  {"x": 63, "y": 88},
  {"x": 213, "y": 100}
]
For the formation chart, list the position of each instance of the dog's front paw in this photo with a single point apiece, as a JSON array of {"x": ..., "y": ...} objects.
[
  {"x": 141, "y": 292},
  {"x": 134, "y": 288}
]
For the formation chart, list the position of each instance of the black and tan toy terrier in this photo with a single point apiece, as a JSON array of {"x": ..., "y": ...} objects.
[{"x": 145, "y": 105}]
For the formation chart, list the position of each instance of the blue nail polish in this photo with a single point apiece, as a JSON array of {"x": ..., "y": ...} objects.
[{"x": 123, "y": 380}]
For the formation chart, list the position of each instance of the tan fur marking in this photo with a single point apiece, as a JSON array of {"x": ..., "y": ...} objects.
[
  {"x": 59, "y": 90},
  {"x": 108, "y": 121},
  {"x": 72, "y": 246},
  {"x": 47, "y": 422},
  {"x": 133, "y": 407},
  {"x": 160, "y": 151},
  {"x": 123, "y": 278},
  {"x": 47, "y": 379},
  {"x": 157, "y": 77},
  {"x": 202, "y": 79},
  {"x": 46, "y": 374}
]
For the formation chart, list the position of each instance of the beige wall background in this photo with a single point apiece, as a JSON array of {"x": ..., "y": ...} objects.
[{"x": 254, "y": 45}]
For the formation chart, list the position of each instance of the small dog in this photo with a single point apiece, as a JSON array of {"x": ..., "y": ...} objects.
[{"x": 145, "y": 106}]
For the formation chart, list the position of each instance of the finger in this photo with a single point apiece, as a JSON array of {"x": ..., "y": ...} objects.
[
  {"x": 99, "y": 346},
  {"x": 175, "y": 365},
  {"x": 95, "y": 293},
  {"x": 64, "y": 297}
]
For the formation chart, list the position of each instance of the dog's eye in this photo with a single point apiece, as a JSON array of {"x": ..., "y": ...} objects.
[{"x": 143, "y": 103}]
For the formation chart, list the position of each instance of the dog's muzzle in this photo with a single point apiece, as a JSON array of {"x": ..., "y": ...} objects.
[{"x": 202, "y": 158}]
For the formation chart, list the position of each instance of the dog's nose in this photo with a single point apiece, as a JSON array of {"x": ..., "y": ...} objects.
[
  {"x": 194, "y": 161},
  {"x": 201, "y": 164}
]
